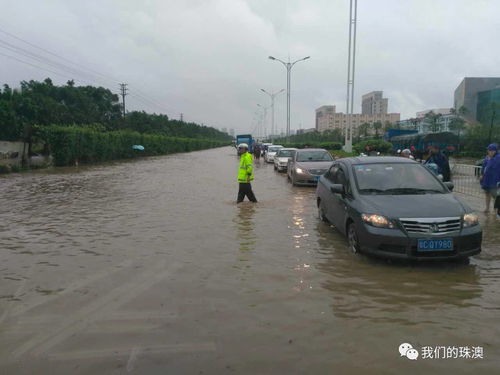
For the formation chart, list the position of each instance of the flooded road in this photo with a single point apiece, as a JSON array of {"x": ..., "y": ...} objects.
[{"x": 149, "y": 267}]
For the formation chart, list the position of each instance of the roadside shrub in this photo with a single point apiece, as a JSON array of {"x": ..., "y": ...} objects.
[
  {"x": 4, "y": 169},
  {"x": 86, "y": 145},
  {"x": 14, "y": 168},
  {"x": 374, "y": 145}
]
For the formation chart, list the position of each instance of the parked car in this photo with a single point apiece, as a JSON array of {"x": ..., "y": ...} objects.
[
  {"x": 307, "y": 165},
  {"x": 281, "y": 158},
  {"x": 271, "y": 151},
  {"x": 396, "y": 208}
]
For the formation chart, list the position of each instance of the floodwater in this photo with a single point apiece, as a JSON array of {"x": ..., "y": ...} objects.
[{"x": 149, "y": 267}]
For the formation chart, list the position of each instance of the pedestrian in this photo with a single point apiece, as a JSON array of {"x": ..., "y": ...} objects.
[
  {"x": 256, "y": 151},
  {"x": 438, "y": 158},
  {"x": 406, "y": 153},
  {"x": 245, "y": 174},
  {"x": 491, "y": 175}
]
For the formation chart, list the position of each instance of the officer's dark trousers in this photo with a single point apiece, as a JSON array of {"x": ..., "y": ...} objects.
[{"x": 246, "y": 189}]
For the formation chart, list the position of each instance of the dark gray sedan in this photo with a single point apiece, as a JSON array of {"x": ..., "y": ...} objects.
[
  {"x": 395, "y": 207},
  {"x": 307, "y": 165}
]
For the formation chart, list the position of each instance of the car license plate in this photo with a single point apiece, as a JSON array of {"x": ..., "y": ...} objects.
[
  {"x": 316, "y": 178},
  {"x": 435, "y": 244}
]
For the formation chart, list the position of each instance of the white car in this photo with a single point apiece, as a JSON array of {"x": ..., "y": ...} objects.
[
  {"x": 271, "y": 151},
  {"x": 282, "y": 157}
]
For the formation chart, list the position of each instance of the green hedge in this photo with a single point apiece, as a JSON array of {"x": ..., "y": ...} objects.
[
  {"x": 70, "y": 144},
  {"x": 325, "y": 145}
]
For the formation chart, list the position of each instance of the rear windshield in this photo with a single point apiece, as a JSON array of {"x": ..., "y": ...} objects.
[
  {"x": 314, "y": 156},
  {"x": 396, "y": 179},
  {"x": 285, "y": 153},
  {"x": 274, "y": 148}
]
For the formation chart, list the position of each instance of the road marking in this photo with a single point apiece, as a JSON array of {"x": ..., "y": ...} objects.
[
  {"x": 103, "y": 305},
  {"x": 134, "y": 353},
  {"x": 69, "y": 289},
  {"x": 147, "y": 350}
]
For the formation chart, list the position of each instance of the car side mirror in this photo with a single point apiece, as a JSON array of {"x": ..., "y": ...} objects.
[
  {"x": 449, "y": 185},
  {"x": 337, "y": 189}
]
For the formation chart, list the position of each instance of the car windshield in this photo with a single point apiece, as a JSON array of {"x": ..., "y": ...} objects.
[
  {"x": 314, "y": 156},
  {"x": 285, "y": 153},
  {"x": 274, "y": 149},
  {"x": 396, "y": 179}
]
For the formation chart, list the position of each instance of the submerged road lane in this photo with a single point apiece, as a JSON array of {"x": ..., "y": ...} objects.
[{"x": 149, "y": 267}]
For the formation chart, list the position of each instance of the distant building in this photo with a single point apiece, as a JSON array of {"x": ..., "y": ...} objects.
[
  {"x": 423, "y": 125},
  {"x": 322, "y": 112},
  {"x": 332, "y": 120},
  {"x": 467, "y": 92},
  {"x": 437, "y": 111},
  {"x": 485, "y": 111},
  {"x": 231, "y": 132},
  {"x": 374, "y": 104}
]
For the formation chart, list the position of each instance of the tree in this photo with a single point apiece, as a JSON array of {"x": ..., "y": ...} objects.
[
  {"x": 457, "y": 123},
  {"x": 433, "y": 120},
  {"x": 377, "y": 125},
  {"x": 364, "y": 128},
  {"x": 43, "y": 103}
]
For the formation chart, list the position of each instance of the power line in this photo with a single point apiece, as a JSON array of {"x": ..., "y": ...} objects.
[
  {"x": 89, "y": 78},
  {"x": 56, "y": 55}
]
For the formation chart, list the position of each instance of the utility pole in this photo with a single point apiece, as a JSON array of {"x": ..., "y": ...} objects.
[
  {"x": 182, "y": 117},
  {"x": 123, "y": 88},
  {"x": 351, "y": 64}
]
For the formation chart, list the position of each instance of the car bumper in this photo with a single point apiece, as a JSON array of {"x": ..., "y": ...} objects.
[
  {"x": 281, "y": 168},
  {"x": 394, "y": 243},
  {"x": 306, "y": 179}
]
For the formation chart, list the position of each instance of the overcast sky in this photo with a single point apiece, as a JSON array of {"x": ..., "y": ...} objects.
[{"x": 208, "y": 58}]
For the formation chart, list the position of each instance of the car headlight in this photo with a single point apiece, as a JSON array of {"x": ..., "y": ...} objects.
[
  {"x": 470, "y": 220},
  {"x": 299, "y": 170},
  {"x": 378, "y": 221}
]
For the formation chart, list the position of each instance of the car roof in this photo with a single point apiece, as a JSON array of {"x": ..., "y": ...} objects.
[
  {"x": 311, "y": 149},
  {"x": 288, "y": 149},
  {"x": 376, "y": 160}
]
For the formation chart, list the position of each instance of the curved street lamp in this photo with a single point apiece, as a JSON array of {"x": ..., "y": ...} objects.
[{"x": 288, "y": 65}]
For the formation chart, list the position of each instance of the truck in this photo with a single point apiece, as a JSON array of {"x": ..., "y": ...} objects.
[{"x": 245, "y": 138}]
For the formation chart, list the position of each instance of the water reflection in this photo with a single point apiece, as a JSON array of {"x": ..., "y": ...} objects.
[
  {"x": 380, "y": 291},
  {"x": 245, "y": 226}
]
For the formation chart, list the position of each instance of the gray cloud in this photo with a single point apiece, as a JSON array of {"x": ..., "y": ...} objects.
[{"x": 208, "y": 59}]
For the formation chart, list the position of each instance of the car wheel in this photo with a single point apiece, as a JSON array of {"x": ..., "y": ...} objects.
[
  {"x": 352, "y": 236},
  {"x": 321, "y": 213},
  {"x": 294, "y": 182},
  {"x": 275, "y": 168}
]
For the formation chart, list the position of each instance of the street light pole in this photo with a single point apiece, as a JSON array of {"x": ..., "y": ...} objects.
[
  {"x": 288, "y": 65},
  {"x": 351, "y": 64},
  {"x": 264, "y": 120},
  {"x": 272, "y": 95}
]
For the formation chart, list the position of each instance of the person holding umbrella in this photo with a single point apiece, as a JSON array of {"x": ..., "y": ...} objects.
[{"x": 491, "y": 175}]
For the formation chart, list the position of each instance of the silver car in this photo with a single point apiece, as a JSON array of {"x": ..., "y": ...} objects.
[
  {"x": 271, "y": 151},
  {"x": 282, "y": 157},
  {"x": 307, "y": 165}
]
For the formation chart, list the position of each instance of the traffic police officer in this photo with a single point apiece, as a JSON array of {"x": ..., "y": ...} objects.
[{"x": 245, "y": 174}]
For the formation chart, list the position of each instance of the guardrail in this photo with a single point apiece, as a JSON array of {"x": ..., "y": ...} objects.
[{"x": 466, "y": 179}]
